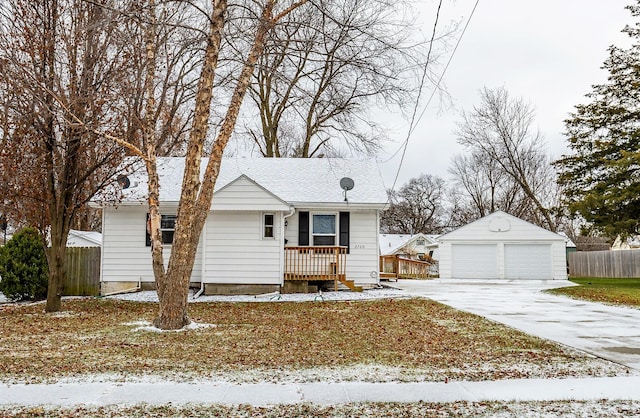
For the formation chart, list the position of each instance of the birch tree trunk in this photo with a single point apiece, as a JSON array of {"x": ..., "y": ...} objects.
[
  {"x": 196, "y": 196},
  {"x": 150, "y": 145}
]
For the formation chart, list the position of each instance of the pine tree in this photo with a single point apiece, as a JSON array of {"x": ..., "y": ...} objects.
[
  {"x": 602, "y": 175},
  {"x": 23, "y": 267}
]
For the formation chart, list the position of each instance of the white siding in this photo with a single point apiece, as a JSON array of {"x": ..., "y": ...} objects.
[
  {"x": 244, "y": 194},
  {"x": 236, "y": 252},
  {"x": 445, "y": 262},
  {"x": 504, "y": 232},
  {"x": 291, "y": 230},
  {"x": 559, "y": 260},
  {"x": 519, "y": 230},
  {"x": 125, "y": 257},
  {"x": 363, "y": 259}
]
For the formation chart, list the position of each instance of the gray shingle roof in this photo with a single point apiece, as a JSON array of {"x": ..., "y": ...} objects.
[{"x": 294, "y": 180}]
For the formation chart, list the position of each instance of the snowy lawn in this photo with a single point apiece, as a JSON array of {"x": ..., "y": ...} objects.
[
  {"x": 382, "y": 339},
  {"x": 615, "y": 291}
]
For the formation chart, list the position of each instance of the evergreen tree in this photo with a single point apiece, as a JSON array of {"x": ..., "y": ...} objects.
[
  {"x": 601, "y": 176},
  {"x": 23, "y": 267}
]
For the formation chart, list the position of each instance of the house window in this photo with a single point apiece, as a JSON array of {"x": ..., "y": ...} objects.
[
  {"x": 267, "y": 229},
  {"x": 421, "y": 242},
  {"x": 324, "y": 229},
  {"x": 167, "y": 229}
]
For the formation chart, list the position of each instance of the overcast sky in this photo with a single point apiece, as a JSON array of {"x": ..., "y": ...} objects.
[{"x": 548, "y": 52}]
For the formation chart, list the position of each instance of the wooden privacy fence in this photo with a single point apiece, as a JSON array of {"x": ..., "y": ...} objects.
[
  {"x": 83, "y": 271},
  {"x": 623, "y": 264}
]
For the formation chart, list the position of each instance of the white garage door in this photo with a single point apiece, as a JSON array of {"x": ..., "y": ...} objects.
[
  {"x": 528, "y": 261},
  {"x": 474, "y": 261}
]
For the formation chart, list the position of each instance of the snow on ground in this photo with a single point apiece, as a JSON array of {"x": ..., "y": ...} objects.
[
  {"x": 148, "y": 326},
  {"x": 3, "y": 298},
  {"x": 383, "y": 293}
]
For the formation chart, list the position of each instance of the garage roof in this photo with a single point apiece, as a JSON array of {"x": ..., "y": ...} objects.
[{"x": 500, "y": 226}]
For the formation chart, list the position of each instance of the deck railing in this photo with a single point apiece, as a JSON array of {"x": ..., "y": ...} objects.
[
  {"x": 315, "y": 263},
  {"x": 404, "y": 268}
]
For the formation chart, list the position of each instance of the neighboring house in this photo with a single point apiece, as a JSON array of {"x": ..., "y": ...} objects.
[
  {"x": 410, "y": 246},
  {"x": 274, "y": 223},
  {"x": 407, "y": 256},
  {"x": 84, "y": 239},
  {"x": 629, "y": 243},
  {"x": 501, "y": 246}
]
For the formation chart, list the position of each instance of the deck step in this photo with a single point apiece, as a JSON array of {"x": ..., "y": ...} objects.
[
  {"x": 351, "y": 285},
  {"x": 388, "y": 276}
]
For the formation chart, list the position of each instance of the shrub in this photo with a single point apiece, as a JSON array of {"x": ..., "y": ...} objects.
[{"x": 23, "y": 267}]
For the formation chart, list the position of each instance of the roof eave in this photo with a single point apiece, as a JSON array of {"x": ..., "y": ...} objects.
[{"x": 340, "y": 205}]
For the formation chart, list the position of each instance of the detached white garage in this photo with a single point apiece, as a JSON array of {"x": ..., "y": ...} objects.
[{"x": 501, "y": 246}]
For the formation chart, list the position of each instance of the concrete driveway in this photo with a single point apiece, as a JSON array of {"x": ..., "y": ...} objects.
[{"x": 606, "y": 331}]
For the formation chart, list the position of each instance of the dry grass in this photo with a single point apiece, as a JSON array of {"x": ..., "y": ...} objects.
[
  {"x": 420, "y": 339},
  {"x": 604, "y": 408}
]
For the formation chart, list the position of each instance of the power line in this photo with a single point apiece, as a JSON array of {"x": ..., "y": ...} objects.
[{"x": 414, "y": 122}]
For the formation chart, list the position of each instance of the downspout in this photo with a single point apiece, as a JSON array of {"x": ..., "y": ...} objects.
[
  {"x": 199, "y": 292},
  {"x": 378, "y": 270},
  {"x": 292, "y": 210},
  {"x": 104, "y": 217},
  {"x": 203, "y": 260}
]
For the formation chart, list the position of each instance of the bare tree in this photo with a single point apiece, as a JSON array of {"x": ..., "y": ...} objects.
[
  {"x": 62, "y": 60},
  {"x": 483, "y": 188},
  {"x": 176, "y": 59},
  {"x": 500, "y": 131},
  {"x": 416, "y": 208},
  {"x": 322, "y": 70},
  {"x": 197, "y": 190}
]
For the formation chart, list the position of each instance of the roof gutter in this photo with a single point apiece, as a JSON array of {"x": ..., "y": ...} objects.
[{"x": 340, "y": 205}]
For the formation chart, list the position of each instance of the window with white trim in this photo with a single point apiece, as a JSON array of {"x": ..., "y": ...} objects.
[
  {"x": 268, "y": 223},
  {"x": 323, "y": 229},
  {"x": 167, "y": 229}
]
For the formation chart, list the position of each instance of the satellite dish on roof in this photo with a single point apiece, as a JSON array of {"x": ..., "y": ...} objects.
[
  {"x": 346, "y": 183},
  {"x": 124, "y": 181}
]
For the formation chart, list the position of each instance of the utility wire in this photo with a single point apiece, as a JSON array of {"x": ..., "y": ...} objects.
[{"x": 414, "y": 122}]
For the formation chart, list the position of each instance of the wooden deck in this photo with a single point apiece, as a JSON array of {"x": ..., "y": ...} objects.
[
  {"x": 396, "y": 267},
  {"x": 317, "y": 264}
]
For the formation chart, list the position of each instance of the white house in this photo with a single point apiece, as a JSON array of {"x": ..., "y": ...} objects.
[
  {"x": 415, "y": 246},
  {"x": 501, "y": 246},
  {"x": 629, "y": 243},
  {"x": 274, "y": 223}
]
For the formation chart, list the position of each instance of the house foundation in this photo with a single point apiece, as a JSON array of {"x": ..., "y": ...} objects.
[
  {"x": 239, "y": 289},
  {"x": 302, "y": 286},
  {"x": 109, "y": 288}
]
